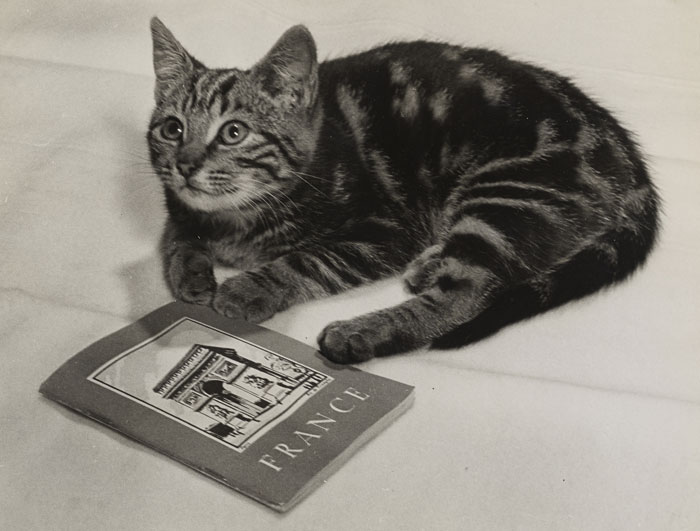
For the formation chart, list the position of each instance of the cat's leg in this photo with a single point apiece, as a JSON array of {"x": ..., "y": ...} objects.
[
  {"x": 504, "y": 230},
  {"x": 188, "y": 268},
  {"x": 303, "y": 275},
  {"x": 460, "y": 293}
]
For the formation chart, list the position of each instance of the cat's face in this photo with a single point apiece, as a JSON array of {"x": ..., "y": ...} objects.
[{"x": 221, "y": 140}]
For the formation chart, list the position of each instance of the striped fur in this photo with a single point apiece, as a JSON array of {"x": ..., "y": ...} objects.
[{"x": 497, "y": 187}]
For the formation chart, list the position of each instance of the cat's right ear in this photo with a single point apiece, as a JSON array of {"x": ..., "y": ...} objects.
[{"x": 171, "y": 62}]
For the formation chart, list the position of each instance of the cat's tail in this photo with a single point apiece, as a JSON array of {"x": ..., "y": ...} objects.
[{"x": 616, "y": 255}]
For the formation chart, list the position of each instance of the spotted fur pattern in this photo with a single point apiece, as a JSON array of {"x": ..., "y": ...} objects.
[{"x": 498, "y": 188}]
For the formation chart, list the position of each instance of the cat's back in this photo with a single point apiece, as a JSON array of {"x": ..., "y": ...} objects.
[
  {"x": 418, "y": 100},
  {"x": 418, "y": 90},
  {"x": 441, "y": 74}
]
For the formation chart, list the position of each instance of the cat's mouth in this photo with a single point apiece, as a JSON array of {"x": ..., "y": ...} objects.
[
  {"x": 194, "y": 185},
  {"x": 193, "y": 189},
  {"x": 209, "y": 184}
]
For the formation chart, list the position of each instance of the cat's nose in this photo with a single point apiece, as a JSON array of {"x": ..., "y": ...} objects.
[{"x": 187, "y": 168}]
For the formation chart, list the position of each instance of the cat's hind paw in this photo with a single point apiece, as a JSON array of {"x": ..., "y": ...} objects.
[{"x": 419, "y": 276}]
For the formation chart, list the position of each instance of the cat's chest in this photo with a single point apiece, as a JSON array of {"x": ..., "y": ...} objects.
[
  {"x": 234, "y": 253},
  {"x": 244, "y": 254}
]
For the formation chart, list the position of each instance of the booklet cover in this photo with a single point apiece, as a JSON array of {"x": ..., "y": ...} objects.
[{"x": 255, "y": 410}]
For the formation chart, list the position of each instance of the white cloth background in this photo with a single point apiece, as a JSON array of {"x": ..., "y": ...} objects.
[{"x": 584, "y": 418}]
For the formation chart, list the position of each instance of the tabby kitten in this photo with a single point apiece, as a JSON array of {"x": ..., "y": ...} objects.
[{"x": 497, "y": 187}]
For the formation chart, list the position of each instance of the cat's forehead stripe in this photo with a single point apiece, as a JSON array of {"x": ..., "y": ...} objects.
[
  {"x": 207, "y": 91},
  {"x": 195, "y": 92},
  {"x": 220, "y": 88},
  {"x": 188, "y": 101}
]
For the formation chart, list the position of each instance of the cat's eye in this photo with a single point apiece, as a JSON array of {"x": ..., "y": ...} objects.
[
  {"x": 172, "y": 129},
  {"x": 232, "y": 133}
]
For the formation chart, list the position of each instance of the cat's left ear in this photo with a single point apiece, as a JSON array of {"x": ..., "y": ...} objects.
[
  {"x": 291, "y": 66},
  {"x": 171, "y": 62}
]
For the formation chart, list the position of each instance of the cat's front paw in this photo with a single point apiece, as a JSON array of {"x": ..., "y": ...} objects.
[
  {"x": 193, "y": 280},
  {"x": 240, "y": 298},
  {"x": 348, "y": 342}
]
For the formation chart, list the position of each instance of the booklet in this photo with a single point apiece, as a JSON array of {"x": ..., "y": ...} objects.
[{"x": 255, "y": 410}]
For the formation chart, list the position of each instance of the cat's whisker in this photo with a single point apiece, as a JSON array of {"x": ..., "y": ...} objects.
[
  {"x": 299, "y": 175},
  {"x": 311, "y": 176},
  {"x": 270, "y": 209},
  {"x": 245, "y": 197},
  {"x": 271, "y": 192},
  {"x": 135, "y": 155}
]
